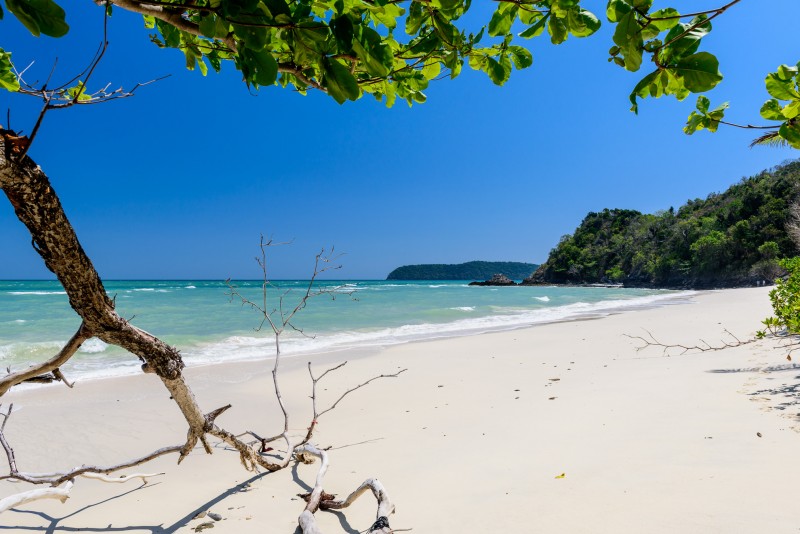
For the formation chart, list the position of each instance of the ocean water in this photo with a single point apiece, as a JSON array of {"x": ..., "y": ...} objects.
[{"x": 200, "y": 318}]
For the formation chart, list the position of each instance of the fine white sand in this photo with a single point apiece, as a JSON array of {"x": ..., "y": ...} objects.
[{"x": 471, "y": 438}]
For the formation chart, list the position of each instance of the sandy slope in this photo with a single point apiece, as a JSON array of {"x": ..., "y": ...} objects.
[{"x": 470, "y": 439}]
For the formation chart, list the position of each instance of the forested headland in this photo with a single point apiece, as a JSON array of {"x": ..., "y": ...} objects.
[
  {"x": 471, "y": 270},
  {"x": 728, "y": 239}
]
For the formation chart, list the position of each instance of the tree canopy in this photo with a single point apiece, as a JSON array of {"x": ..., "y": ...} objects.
[{"x": 394, "y": 48}]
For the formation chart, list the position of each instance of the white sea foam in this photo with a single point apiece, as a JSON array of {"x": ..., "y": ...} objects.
[
  {"x": 190, "y": 287},
  {"x": 143, "y": 289},
  {"x": 464, "y": 308},
  {"x": 248, "y": 347},
  {"x": 37, "y": 292},
  {"x": 543, "y": 299},
  {"x": 93, "y": 346}
]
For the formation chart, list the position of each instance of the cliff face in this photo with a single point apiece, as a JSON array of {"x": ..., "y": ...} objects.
[
  {"x": 473, "y": 270},
  {"x": 726, "y": 240}
]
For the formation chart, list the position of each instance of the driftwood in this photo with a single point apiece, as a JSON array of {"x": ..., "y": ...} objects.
[
  {"x": 650, "y": 341},
  {"x": 308, "y": 523}
]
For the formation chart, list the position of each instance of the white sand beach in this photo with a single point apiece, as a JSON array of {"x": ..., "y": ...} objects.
[{"x": 471, "y": 438}]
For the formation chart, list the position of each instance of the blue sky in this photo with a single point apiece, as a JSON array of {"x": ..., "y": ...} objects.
[{"x": 180, "y": 181}]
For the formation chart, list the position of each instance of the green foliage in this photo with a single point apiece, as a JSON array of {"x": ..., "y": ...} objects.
[
  {"x": 349, "y": 48},
  {"x": 472, "y": 270},
  {"x": 40, "y": 16},
  {"x": 8, "y": 80},
  {"x": 785, "y": 299},
  {"x": 731, "y": 238},
  {"x": 703, "y": 118}
]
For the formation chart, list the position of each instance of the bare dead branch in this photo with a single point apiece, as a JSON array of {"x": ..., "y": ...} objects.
[
  {"x": 349, "y": 391},
  {"x": 12, "y": 462},
  {"x": 51, "y": 365},
  {"x": 702, "y": 346},
  {"x": 314, "y": 381}
]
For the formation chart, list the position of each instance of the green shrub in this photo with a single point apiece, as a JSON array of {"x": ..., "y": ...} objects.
[{"x": 785, "y": 301}]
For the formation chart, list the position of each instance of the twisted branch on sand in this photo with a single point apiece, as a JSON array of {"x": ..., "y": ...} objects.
[
  {"x": 316, "y": 499},
  {"x": 651, "y": 341}
]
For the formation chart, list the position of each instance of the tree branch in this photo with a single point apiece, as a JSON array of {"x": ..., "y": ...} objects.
[{"x": 51, "y": 365}]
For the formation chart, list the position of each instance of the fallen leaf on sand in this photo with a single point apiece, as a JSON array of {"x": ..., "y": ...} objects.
[{"x": 562, "y": 475}]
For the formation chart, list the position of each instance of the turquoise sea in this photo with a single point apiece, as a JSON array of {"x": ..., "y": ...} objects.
[{"x": 200, "y": 319}]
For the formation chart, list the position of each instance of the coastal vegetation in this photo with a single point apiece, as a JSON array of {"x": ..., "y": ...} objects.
[
  {"x": 471, "y": 270},
  {"x": 733, "y": 238}
]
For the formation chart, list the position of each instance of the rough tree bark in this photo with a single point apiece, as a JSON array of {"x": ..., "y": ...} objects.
[{"x": 37, "y": 206}]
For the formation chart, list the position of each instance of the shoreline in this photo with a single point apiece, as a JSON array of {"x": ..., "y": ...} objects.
[
  {"x": 649, "y": 443},
  {"x": 384, "y": 338}
]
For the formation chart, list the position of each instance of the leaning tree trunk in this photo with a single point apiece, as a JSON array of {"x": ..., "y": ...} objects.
[{"x": 37, "y": 206}]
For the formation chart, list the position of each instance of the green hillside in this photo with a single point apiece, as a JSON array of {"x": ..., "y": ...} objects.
[
  {"x": 728, "y": 239},
  {"x": 472, "y": 270}
]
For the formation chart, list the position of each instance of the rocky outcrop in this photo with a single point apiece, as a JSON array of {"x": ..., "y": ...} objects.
[{"x": 496, "y": 280}]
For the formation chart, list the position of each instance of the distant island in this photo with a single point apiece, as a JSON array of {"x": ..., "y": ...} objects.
[
  {"x": 472, "y": 270},
  {"x": 729, "y": 239}
]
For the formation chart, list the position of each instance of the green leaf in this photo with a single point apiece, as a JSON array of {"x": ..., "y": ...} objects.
[
  {"x": 628, "y": 36},
  {"x": 780, "y": 86},
  {"x": 77, "y": 92},
  {"x": 431, "y": 70},
  {"x": 253, "y": 38},
  {"x": 261, "y": 67},
  {"x": 694, "y": 122},
  {"x": 617, "y": 9},
  {"x": 667, "y": 24},
  {"x": 581, "y": 23},
  {"x": 373, "y": 52},
  {"x": 343, "y": 31},
  {"x": 520, "y": 56},
  {"x": 700, "y": 72},
  {"x": 502, "y": 19},
  {"x": 40, "y": 16},
  {"x": 557, "y": 30},
  {"x": 791, "y": 132},
  {"x": 498, "y": 71},
  {"x": 688, "y": 43},
  {"x": 337, "y": 79},
  {"x": 387, "y": 15},
  {"x": 536, "y": 29},
  {"x": 416, "y": 16},
  {"x": 171, "y": 34},
  {"x": 8, "y": 80},
  {"x": 643, "y": 89},
  {"x": 702, "y": 104},
  {"x": 772, "y": 111},
  {"x": 792, "y": 110},
  {"x": 208, "y": 25}
]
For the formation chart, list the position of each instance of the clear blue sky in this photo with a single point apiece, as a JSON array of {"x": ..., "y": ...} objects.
[{"x": 179, "y": 181}]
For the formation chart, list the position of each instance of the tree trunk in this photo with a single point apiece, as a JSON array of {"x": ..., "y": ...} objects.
[{"x": 37, "y": 206}]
